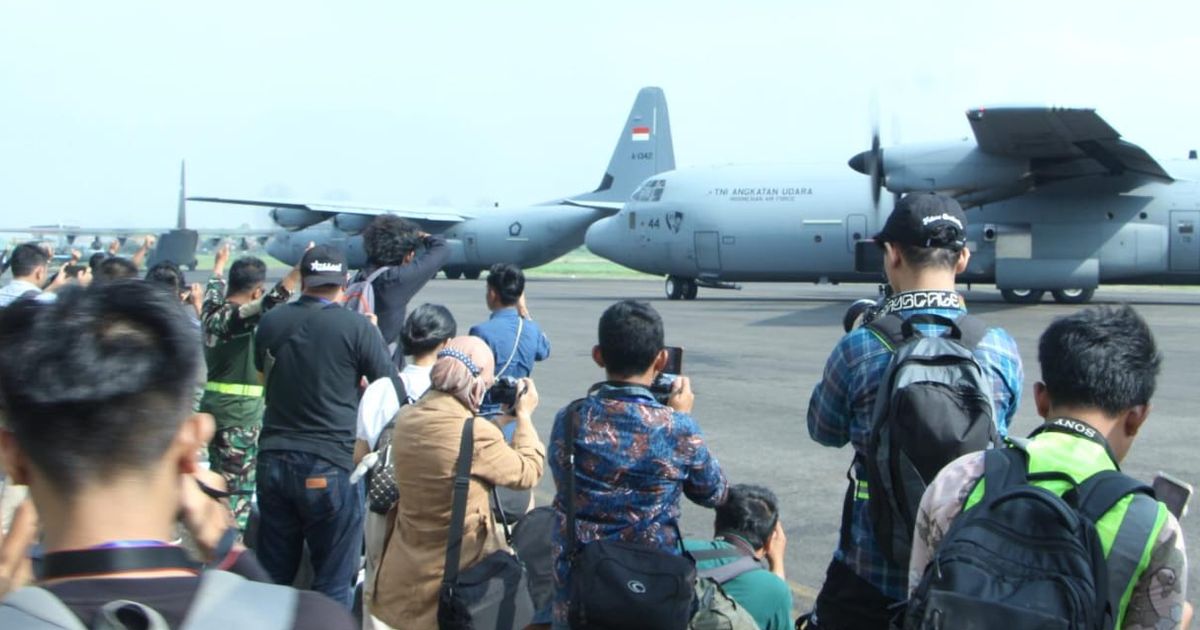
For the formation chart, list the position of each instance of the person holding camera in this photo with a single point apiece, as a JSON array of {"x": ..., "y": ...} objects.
[
  {"x": 924, "y": 249},
  {"x": 426, "y": 451},
  {"x": 105, "y": 439},
  {"x": 516, "y": 341},
  {"x": 632, "y": 457}
]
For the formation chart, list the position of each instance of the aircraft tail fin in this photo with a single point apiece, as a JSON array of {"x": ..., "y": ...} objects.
[
  {"x": 644, "y": 148},
  {"x": 181, "y": 218}
]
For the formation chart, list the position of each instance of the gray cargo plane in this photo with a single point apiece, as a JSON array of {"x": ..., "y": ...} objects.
[
  {"x": 1057, "y": 202},
  {"x": 527, "y": 236}
]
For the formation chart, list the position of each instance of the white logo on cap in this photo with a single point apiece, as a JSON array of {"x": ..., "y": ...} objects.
[
  {"x": 318, "y": 266},
  {"x": 941, "y": 217}
]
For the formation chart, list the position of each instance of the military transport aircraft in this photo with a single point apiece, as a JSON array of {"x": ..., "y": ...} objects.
[
  {"x": 527, "y": 236},
  {"x": 1057, "y": 201}
]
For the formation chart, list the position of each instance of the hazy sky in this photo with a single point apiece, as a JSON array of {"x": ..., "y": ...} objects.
[{"x": 518, "y": 102}]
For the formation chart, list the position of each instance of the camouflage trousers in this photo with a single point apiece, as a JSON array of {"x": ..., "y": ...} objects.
[{"x": 233, "y": 453}]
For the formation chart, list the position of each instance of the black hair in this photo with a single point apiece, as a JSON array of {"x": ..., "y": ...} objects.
[
  {"x": 114, "y": 268},
  {"x": 928, "y": 257},
  {"x": 167, "y": 274},
  {"x": 426, "y": 328},
  {"x": 97, "y": 383},
  {"x": 631, "y": 336},
  {"x": 508, "y": 281},
  {"x": 96, "y": 259},
  {"x": 389, "y": 238},
  {"x": 1101, "y": 357},
  {"x": 749, "y": 512},
  {"x": 245, "y": 274},
  {"x": 26, "y": 258},
  {"x": 73, "y": 271}
]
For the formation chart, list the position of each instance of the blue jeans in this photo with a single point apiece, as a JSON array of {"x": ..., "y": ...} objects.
[{"x": 304, "y": 498}]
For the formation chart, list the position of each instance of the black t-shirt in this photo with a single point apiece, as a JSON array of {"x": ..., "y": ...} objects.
[
  {"x": 172, "y": 596},
  {"x": 396, "y": 286},
  {"x": 320, "y": 352}
]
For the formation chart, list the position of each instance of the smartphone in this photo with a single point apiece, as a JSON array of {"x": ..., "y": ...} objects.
[
  {"x": 674, "y": 360},
  {"x": 1173, "y": 492}
]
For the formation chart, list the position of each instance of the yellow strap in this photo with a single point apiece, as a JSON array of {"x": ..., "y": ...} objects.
[
  {"x": 235, "y": 389},
  {"x": 862, "y": 493}
]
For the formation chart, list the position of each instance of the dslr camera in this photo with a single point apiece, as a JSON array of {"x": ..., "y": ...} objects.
[
  {"x": 505, "y": 391},
  {"x": 661, "y": 388}
]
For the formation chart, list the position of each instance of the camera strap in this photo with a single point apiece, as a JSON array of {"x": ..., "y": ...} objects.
[
  {"x": 104, "y": 560},
  {"x": 922, "y": 299},
  {"x": 516, "y": 344},
  {"x": 1071, "y": 426}
]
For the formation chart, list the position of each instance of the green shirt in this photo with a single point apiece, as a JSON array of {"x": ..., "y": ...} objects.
[{"x": 763, "y": 594}]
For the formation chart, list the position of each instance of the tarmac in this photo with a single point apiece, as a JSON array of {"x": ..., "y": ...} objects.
[{"x": 754, "y": 355}]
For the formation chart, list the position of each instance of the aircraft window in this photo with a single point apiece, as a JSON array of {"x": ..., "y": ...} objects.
[
  {"x": 650, "y": 191},
  {"x": 1186, "y": 227}
]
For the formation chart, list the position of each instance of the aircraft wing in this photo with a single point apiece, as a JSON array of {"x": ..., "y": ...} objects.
[
  {"x": 1060, "y": 143},
  {"x": 430, "y": 215},
  {"x": 609, "y": 207},
  {"x": 73, "y": 230}
]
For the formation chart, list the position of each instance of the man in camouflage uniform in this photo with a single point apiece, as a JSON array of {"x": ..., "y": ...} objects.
[{"x": 233, "y": 394}]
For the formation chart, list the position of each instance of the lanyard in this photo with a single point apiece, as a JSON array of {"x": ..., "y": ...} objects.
[{"x": 1079, "y": 428}]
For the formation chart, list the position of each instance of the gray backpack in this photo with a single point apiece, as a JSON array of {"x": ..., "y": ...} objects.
[
  {"x": 224, "y": 601},
  {"x": 933, "y": 405},
  {"x": 715, "y": 609}
]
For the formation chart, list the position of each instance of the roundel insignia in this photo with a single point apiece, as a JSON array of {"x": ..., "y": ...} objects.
[{"x": 514, "y": 229}]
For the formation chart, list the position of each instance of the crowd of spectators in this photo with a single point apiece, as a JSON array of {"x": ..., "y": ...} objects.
[{"x": 299, "y": 393}]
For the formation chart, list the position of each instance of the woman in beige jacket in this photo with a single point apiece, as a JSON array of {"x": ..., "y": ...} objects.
[{"x": 425, "y": 450}]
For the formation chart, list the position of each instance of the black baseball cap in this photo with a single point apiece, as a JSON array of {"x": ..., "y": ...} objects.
[
  {"x": 926, "y": 220},
  {"x": 323, "y": 265}
]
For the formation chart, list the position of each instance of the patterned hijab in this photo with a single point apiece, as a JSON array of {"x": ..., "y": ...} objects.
[{"x": 464, "y": 369}]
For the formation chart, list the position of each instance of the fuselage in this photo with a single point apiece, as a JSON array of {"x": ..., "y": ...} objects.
[
  {"x": 801, "y": 223},
  {"x": 526, "y": 236}
]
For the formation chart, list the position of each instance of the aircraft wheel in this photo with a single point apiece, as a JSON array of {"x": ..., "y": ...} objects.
[
  {"x": 192, "y": 266},
  {"x": 674, "y": 288},
  {"x": 472, "y": 274},
  {"x": 690, "y": 290},
  {"x": 1022, "y": 296},
  {"x": 452, "y": 274},
  {"x": 1073, "y": 296}
]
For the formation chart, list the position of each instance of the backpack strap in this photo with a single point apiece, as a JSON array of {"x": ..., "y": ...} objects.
[
  {"x": 1099, "y": 494},
  {"x": 401, "y": 392},
  {"x": 34, "y": 607},
  {"x": 727, "y": 572},
  {"x": 227, "y": 600},
  {"x": 889, "y": 329},
  {"x": 1003, "y": 468},
  {"x": 972, "y": 330},
  {"x": 894, "y": 330},
  {"x": 375, "y": 274}
]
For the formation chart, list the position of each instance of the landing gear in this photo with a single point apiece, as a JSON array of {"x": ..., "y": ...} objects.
[
  {"x": 472, "y": 274},
  {"x": 1073, "y": 296},
  {"x": 681, "y": 288},
  {"x": 674, "y": 288},
  {"x": 1022, "y": 296},
  {"x": 453, "y": 274}
]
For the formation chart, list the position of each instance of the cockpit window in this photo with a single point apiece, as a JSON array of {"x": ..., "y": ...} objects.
[{"x": 650, "y": 191}]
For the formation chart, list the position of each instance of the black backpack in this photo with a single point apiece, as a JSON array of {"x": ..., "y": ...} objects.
[
  {"x": 934, "y": 404},
  {"x": 1024, "y": 557},
  {"x": 382, "y": 492}
]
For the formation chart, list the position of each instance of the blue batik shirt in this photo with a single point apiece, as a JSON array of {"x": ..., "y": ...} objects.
[
  {"x": 842, "y": 404},
  {"x": 634, "y": 459}
]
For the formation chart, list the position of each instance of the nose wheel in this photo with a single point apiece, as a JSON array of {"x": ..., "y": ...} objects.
[{"x": 681, "y": 288}]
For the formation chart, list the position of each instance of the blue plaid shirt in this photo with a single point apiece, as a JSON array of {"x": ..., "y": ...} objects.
[
  {"x": 840, "y": 412},
  {"x": 634, "y": 459}
]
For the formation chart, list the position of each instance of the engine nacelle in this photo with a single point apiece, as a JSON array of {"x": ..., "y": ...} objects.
[
  {"x": 296, "y": 218},
  {"x": 953, "y": 167},
  {"x": 352, "y": 223}
]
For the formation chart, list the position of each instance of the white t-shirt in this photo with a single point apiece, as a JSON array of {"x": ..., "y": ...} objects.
[{"x": 379, "y": 403}]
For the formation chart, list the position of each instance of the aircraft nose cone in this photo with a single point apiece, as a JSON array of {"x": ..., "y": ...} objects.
[
  {"x": 598, "y": 239},
  {"x": 859, "y": 162}
]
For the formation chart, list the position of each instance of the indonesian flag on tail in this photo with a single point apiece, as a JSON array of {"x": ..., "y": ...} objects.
[{"x": 641, "y": 134}]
